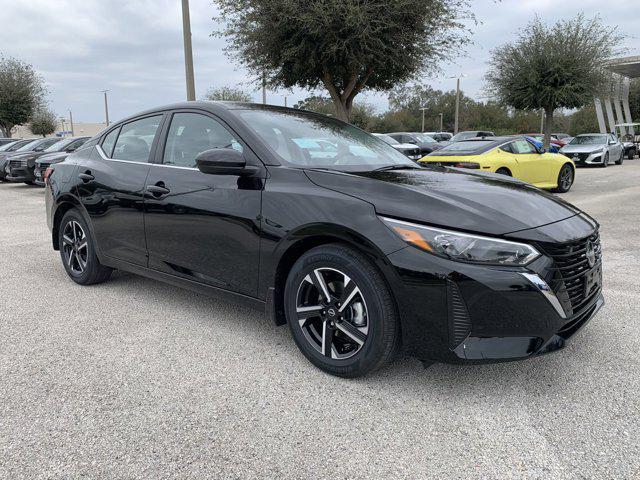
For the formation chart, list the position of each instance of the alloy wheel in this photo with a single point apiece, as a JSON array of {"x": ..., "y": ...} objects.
[
  {"x": 566, "y": 178},
  {"x": 75, "y": 247},
  {"x": 332, "y": 313}
]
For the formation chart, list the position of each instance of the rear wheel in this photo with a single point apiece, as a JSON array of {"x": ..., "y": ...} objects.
[
  {"x": 565, "y": 179},
  {"x": 77, "y": 251},
  {"x": 631, "y": 154},
  {"x": 504, "y": 171},
  {"x": 340, "y": 311}
]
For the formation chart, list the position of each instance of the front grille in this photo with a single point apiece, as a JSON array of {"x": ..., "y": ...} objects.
[
  {"x": 17, "y": 163},
  {"x": 578, "y": 157},
  {"x": 571, "y": 269}
]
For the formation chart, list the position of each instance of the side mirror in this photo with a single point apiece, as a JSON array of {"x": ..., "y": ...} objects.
[{"x": 223, "y": 161}]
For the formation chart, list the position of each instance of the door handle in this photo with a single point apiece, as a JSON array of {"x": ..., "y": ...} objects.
[
  {"x": 86, "y": 177},
  {"x": 158, "y": 189}
]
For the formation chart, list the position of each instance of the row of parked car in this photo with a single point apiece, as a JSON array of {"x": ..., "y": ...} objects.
[{"x": 26, "y": 160}]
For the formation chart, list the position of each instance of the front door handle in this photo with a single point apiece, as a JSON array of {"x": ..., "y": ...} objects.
[
  {"x": 158, "y": 189},
  {"x": 86, "y": 177}
]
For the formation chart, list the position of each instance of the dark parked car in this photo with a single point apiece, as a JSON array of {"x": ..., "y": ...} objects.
[
  {"x": 426, "y": 143},
  {"x": 407, "y": 149},
  {"x": 439, "y": 136},
  {"x": 22, "y": 168},
  {"x": 64, "y": 149},
  {"x": 359, "y": 252},
  {"x": 18, "y": 149}
]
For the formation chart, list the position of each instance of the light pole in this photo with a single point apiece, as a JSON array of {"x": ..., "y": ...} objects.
[
  {"x": 188, "y": 52},
  {"x": 264, "y": 88},
  {"x": 71, "y": 123},
  {"x": 441, "y": 121},
  {"x": 457, "y": 119},
  {"x": 63, "y": 131},
  {"x": 424, "y": 109},
  {"x": 106, "y": 107}
]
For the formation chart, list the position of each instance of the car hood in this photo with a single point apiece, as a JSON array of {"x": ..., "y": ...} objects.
[
  {"x": 53, "y": 157},
  {"x": 449, "y": 197},
  {"x": 581, "y": 148}
]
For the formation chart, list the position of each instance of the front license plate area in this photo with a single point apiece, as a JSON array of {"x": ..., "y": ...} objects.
[{"x": 593, "y": 280}]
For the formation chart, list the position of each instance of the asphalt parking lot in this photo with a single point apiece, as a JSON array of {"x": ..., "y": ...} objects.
[{"x": 137, "y": 379}]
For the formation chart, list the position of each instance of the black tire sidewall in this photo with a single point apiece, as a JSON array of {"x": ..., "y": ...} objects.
[
  {"x": 560, "y": 188},
  {"x": 92, "y": 259},
  {"x": 379, "y": 316}
]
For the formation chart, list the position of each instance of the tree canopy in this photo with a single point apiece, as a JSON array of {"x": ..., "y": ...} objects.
[
  {"x": 345, "y": 46},
  {"x": 43, "y": 122},
  {"x": 551, "y": 67},
  {"x": 227, "y": 94},
  {"x": 21, "y": 93}
]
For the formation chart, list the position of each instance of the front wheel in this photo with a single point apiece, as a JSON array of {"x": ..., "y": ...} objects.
[
  {"x": 621, "y": 159},
  {"x": 340, "y": 311},
  {"x": 77, "y": 251},
  {"x": 631, "y": 154},
  {"x": 605, "y": 161},
  {"x": 565, "y": 179}
]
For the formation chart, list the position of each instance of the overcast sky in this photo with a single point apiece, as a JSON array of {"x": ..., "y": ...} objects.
[{"x": 134, "y": 48}]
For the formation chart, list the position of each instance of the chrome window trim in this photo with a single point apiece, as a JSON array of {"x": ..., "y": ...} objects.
[
  {"x": 104, "y": 157},
  {"x": 544, "y": 288}
]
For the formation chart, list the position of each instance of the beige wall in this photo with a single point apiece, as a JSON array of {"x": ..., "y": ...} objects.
[{"x": 79, "y": 130}]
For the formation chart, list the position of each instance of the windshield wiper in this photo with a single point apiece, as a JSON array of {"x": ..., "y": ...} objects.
[{"x": 397, "y": 167}]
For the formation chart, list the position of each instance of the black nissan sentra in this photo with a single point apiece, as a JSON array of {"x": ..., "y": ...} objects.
[{"x": 331, "y": 231}]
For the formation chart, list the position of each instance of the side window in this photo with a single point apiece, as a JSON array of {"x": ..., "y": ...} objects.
[
  {"x": 507, "y": 147},
  {"x": 135, "y": 139},
  {"x": 191, "y": 134},
  {"x": 73, "y": 146},
  {"x": 46, "y": 144},
  {"x": 109, "y": 142},
  {"x": 91, "y": 143},
  {"x": 522, "y": 147}
]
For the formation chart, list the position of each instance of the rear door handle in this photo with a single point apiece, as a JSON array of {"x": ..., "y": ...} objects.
[
  {"x": 158, "y": 190},
  {"x": 86, "y": 177}
]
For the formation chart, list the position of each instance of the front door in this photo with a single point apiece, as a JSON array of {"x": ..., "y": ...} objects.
[
  {"x": 111, "y": 187},
  {"x": 532, "y": 165},
  {"x": 200, "y": 226}
]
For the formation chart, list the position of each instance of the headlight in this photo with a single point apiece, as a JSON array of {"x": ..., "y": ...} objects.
[
  {"x": 463, "y": 247},
  {"x": 598, "y": 150}
]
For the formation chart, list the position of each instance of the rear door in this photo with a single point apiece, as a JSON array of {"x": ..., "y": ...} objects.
[
  {"x": 203, "y": 227},
  {"x": 111, "y": 186}
]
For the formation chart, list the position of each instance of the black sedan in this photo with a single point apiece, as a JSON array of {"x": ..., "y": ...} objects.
[
  {"x": 426, "y": 144},
  {"x": 49, "y": 158},
  {"x": 358, "y": 249},
  {"x": 7, "y": 150},
  {"x": 21, "y": 168}
]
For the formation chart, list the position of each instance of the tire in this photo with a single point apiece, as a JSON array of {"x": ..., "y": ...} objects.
[
  {"x": 620, "y": 161},
  {"x": 605, "y": 162},
  {"x": 631, "y": 154},
  {"x": 29, "y": 182},
  {"x": 363, "y": 337},
  {"x": 77, "y": 251},
  {"x": 566, "y": 177},
  {"x": 504, "y": 171}
]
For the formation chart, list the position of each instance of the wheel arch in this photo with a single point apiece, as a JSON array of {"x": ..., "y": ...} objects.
[
  {"x": 63, "y": 205},
  {"x": 307, "y": 238}
]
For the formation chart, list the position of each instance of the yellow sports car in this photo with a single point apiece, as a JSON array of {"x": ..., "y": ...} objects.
[{"x": 513, "y": 156}]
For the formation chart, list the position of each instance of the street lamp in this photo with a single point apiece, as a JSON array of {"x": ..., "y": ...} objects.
[
  {"x": 188, "y": 52},
  {"x": 424, "y": 109},
  {"x": 457, "y": 119},
  {"x": 106, "y": 107},
  {"x": 441, "y": 121}
]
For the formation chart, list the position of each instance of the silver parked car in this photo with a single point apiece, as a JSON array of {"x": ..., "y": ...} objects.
[{"x": 595, "y": 149}]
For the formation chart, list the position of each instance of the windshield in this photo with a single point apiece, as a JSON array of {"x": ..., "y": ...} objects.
[
  {"x": 589, "y": 140},
  {"x": 387, "y": 138},
  {"x": 424, "y": 138},
  {"x": 60, "y": 145},
  {"x": 29, "y": 146},
  {"x": 307, "y": 140},
  {"x": 6, "y": 146},
  {"x": 463, "y": 136}
]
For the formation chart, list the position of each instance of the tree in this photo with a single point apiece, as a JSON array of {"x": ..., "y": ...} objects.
[
  {"x": 562, "y": 66},
  {"x": 43, "y": 122},
  {"x": 363, "y": 115},
  {"x": 345, "y": 46},
  {"x": 21, "y": 93},
  {"x": 227, "y": 94}
]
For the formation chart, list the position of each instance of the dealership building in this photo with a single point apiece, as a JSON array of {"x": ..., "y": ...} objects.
[{"x": 616, "y": 102}]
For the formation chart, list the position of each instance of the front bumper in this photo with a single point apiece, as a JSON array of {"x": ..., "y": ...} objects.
[
  {"x": 586, "y": 158},
  {"x": 460, "y": 313},
  {"x": 19, "y": 174}
]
